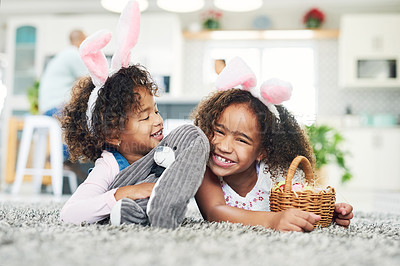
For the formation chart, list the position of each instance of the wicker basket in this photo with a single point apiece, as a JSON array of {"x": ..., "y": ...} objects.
[{"x": 321, "y": 203}]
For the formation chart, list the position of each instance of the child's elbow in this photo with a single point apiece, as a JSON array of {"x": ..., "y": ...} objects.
[
  {"x": 64, "y": 217},
  {"x": 214, "y": 213},
  {"x": 67, "y": 216}
]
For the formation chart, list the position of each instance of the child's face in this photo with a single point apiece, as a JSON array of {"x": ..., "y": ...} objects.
[
  {"x": 236, "y": 142},
  {"x": 143, "y": 130}
]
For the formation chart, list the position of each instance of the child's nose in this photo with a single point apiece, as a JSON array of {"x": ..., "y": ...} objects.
[
  {"x": 158, "y": 120},
  {"x": 226, "y": 144}
]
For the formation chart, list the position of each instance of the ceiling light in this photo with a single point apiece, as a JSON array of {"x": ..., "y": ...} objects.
[
  {"x": 181, "y": 6},
  {"x": 118, "y": 5},
  {"x": 238, "y": 5}
]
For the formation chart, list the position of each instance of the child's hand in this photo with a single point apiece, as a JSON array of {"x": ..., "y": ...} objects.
[
  {"x": 294, "y": 220},
  {"x": 134, "y": 192},
  {"x": 343, "y": 214}
]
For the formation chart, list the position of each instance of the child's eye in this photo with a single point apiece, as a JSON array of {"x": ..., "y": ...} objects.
[
  {"x": 144, "y": 119},
  {"x": 243, "y": 141},
  {"x": 219, "y": 131}
]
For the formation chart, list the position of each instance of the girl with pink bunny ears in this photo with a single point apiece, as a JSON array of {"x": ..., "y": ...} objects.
[
  {"x": 139, "y": 176},
  {"x": 253, "y": 138}
]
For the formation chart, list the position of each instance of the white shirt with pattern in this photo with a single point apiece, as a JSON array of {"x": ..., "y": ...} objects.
[{"x": 257, "y": 199}]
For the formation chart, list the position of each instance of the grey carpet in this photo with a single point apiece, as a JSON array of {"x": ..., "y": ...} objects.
[{"x": 31, "y": 234}]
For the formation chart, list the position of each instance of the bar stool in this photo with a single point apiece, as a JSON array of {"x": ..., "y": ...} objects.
[{"x": 37, "y": 128}]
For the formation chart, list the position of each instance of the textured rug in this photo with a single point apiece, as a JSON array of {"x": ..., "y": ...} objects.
[{"x": 31, "y": 234}]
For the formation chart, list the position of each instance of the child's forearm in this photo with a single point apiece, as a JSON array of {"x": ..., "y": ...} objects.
[
  {"x": 87, "y": 208},
  {"x": 134, "y": 192},
  {"x": 289, "y": 220},
  {"x": 226, "y": 213}
]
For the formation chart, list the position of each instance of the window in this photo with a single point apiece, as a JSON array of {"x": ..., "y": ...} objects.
[
  {"x": 250, "y": 56},
  {"x": 292, "y": 62},
  {"x": 24, "y": 64},
  {"x": 295, "y": 65}
]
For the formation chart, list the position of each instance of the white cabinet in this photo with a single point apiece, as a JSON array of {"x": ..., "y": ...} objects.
[
  {"x": 374, "y": 159},
  {"x": 369, "y": 50}
]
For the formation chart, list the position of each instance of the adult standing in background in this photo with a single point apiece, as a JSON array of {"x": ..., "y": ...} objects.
[
  {"x": 56, "y": 83},
  {"x": 60, "y": 74}
]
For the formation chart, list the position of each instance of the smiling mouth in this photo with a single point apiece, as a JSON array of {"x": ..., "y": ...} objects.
[
  {"x": 222, "y": 159},
  {"x": 157, "y": 134}
]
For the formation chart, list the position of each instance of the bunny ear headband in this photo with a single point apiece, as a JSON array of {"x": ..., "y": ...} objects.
[
  {"x": 271, "y": 92},
  {"x": 127, "y": 33}
]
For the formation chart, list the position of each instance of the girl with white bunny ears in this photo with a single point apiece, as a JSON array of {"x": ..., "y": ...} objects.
[
  {"x": 277, "y": 127},
  {"x": 253, "y": 138},
  {"x": 112, "y": 119}
]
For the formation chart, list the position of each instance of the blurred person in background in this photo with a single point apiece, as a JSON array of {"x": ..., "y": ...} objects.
[
  {"x": 60, "y": 74},
  {"x": 56, "y": 82}
]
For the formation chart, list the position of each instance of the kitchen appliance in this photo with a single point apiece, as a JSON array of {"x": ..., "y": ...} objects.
[{"x": 369, "y": 51}]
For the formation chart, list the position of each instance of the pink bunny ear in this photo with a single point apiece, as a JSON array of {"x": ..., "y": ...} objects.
[
  {"x": 236, "y": 72},
  {"x": 127, "y": 34},
  {"x": 276, "y": 91},
  {"x": 94, "y": 58}
]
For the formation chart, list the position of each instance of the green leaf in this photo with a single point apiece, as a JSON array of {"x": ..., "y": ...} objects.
[
  {"x": 346, "y": 177},
  {"x": 33, "y": 95},
  {"x": 325, "y": 141}
]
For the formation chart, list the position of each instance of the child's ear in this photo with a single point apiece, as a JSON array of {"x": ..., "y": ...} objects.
[
  {"x": 262, "y": 155},
  {"x": 115, "y": 142}
]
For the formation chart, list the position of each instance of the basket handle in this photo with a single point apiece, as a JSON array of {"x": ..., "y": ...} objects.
[{"x": 308, "y": 171}]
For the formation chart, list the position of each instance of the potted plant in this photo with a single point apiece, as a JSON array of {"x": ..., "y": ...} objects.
[
  {"x": 326, "y": 143},
  {"x": 313, "y": 18},
  {"x": 211, "y": 19}
]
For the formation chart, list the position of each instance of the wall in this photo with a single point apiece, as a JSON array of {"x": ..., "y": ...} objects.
[
  {"x": 332, "y": 101},
  {"x": 288, "y": 14},
  {"x": 3, "y": 27},
  {"x": 283, "y": 14}
]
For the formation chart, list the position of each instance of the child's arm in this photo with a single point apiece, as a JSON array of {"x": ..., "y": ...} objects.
[
  {"x": 134, "y": 192},
  {"x": 211, "y": 202},
  {"x": 343, "y": 214},
  {"x": 93, "y": 200}
]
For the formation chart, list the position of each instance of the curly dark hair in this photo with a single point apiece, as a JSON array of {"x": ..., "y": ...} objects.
[
  {"x": 118, "y": 96},
  {"x": 281, "y": 140}
]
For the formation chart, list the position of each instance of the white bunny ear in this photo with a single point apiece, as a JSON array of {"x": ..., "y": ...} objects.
[
  {"x": 127, "y": 34},
  {"x": 94, "y": 58},
  {"x": 96, "y": 62},
  {"x": 236, "y": 72},
  {"x": 276, "y": 91}
]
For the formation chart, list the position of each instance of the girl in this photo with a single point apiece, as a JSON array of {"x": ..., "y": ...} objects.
[
  {"x": 251, "y": 143},
  {"x": 115, "y": 122}
]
